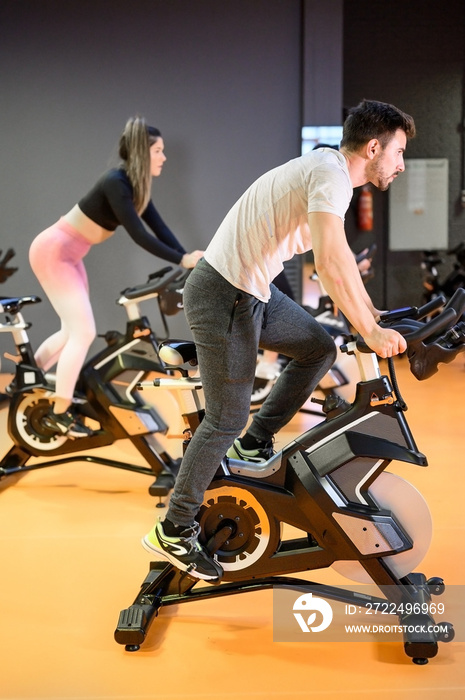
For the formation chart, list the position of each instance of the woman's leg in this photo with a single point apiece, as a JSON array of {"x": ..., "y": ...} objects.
[
  {"x": 49, "y": 351},
  {"x": 75, "y": 312},
  {"x": 56, "y": 259}
]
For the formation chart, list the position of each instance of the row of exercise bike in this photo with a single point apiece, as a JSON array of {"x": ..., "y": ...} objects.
[
  {"x": 331, "y": 484},
  {"x": 107, "y": 395}
]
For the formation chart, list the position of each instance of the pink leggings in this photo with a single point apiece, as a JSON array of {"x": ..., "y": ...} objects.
[{"x": 56, "y": 258}]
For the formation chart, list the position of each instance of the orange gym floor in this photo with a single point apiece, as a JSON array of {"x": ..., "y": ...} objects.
[{"x": 71, "y": 561}]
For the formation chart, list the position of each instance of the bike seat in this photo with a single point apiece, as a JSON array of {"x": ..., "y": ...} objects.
[
  {"x": 175, "y": 353},
  {"x": 13, "y": 305}
]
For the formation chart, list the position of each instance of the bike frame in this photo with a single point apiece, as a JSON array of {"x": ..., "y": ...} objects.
[{"x": 321, "y": 484}]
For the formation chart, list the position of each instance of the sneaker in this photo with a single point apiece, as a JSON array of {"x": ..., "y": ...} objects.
[
  {"x": 184, "y": 551},
  {"x": 259, "y": 454},
  {"x": 66, "y": 424}
]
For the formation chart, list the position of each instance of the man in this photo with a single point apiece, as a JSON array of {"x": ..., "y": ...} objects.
[{"x": 233, "y": 308}]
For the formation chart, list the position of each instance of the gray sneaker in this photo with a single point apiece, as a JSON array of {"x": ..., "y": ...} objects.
[
  {"x": 184, "y": 551},
  {"x": 259, "y": 454}
]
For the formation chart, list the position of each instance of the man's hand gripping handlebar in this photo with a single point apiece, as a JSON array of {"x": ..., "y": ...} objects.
[{"x": 429, "y": 343}]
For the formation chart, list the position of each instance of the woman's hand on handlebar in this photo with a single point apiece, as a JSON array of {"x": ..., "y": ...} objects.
[
  {"x": 190, "y": 260},
  {"x": 385, "y": 342}
]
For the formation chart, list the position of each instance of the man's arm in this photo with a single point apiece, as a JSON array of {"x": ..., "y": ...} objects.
[{"x": 337, "y": 270}]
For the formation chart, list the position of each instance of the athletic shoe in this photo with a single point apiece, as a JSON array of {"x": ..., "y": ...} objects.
[
  {"x": 259, "y": 454},
  {"x": 66, "y": 424},
  {"x": 184, "y": 551}
]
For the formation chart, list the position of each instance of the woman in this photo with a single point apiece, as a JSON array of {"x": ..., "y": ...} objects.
[{"x": 120, "y": 197}]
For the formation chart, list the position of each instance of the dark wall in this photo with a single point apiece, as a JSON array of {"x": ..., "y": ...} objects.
[{"x": 412, "y": 55}]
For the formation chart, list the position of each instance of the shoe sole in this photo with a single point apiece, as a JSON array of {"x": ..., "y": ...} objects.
[
  {"x": 68, "y": 433},
  {"x": 148, "y": 546},
  {"x": 236, "y": 455},
  {"x": 54, "y": 429}
]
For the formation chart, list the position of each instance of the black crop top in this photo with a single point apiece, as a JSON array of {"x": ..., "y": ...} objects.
[{"x": 110, "y": 204}]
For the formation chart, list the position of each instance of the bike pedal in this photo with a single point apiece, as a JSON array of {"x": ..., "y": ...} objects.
[{"x": 219, "y": 539}]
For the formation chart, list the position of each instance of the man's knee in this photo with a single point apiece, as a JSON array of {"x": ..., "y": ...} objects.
[{"x": 321, "y": 348}]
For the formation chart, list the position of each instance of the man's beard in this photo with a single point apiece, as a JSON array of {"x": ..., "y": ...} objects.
[{"x": 378, "y": 177}]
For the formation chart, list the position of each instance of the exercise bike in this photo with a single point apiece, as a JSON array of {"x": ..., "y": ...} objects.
[
  {"x": 105, "y": 397},
  {"x": 331, "y": 484},
  {"x": 432, "y": 283},
  {"x": 5, "y": 270},
  {"x": 5, "y": 273}
]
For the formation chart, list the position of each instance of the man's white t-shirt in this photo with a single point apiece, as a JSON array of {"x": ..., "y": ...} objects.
[{"x": 269, "y": 223}]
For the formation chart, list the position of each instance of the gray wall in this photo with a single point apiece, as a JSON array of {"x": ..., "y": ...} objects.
[{"x": 219, "y": 79}]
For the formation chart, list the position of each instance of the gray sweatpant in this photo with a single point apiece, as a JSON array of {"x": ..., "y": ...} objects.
[{"x": 228, "y": 327}]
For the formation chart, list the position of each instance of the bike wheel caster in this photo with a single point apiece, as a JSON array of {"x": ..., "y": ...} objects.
[
  {"x": 436, "y": 585},
  {"x": 420, "y": 662},
  {"x": 132, "y": 647},
  {"x": 447, "y": 632}
]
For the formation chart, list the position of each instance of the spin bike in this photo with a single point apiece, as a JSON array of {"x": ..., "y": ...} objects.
[
  {"x": 332, "y": 485},
  {"x": 5, "y": 273},
  {"x": 433, "y": 285},
  {"x": 105, "y": 393}
]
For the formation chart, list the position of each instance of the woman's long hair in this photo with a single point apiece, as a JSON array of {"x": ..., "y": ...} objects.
[{"x": 134, "y": 150}]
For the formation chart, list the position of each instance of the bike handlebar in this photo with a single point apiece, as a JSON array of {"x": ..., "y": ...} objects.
[
  {"x": 430, "y": 342},
  {"x": 156, "y": 282},
  {"x": 428, "y": 329},
  {"x": 431, "y": 306}
]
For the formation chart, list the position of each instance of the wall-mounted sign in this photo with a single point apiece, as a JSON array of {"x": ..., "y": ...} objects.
[{"x": 418, "y": 206}]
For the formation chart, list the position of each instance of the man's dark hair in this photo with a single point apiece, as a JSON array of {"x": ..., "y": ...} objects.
[{"x": 374, "y": 120}]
